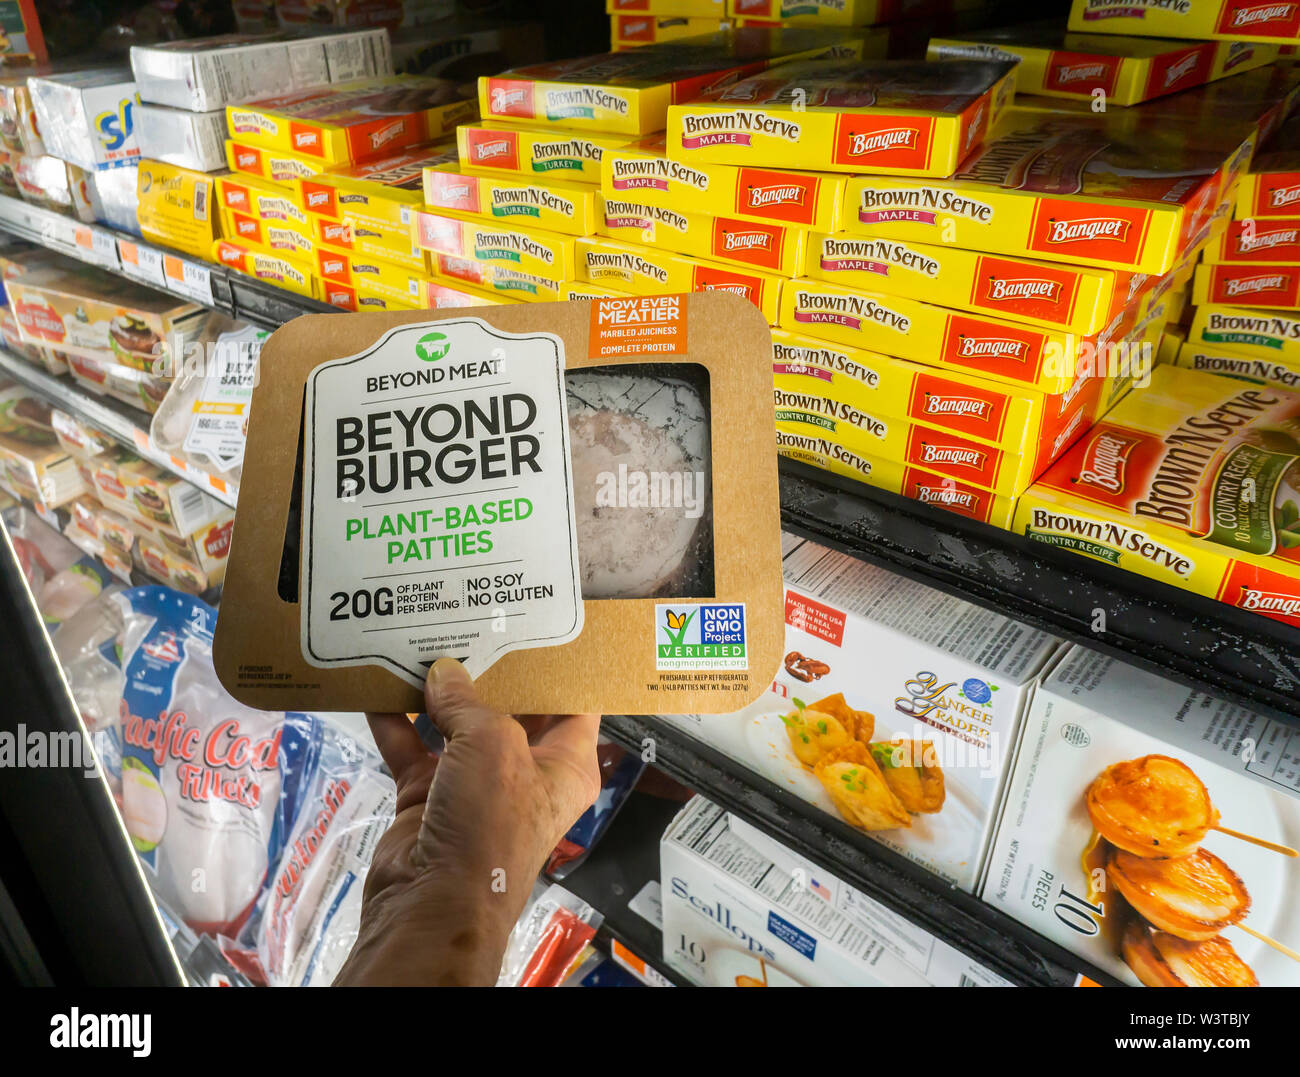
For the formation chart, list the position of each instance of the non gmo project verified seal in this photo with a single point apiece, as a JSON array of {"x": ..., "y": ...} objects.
[{"x": 691, "y": 636}]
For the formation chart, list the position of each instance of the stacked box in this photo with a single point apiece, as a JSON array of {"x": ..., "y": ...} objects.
[
  {"x": 1126, "y": 71},
  {"x": 1192, "y": 483},
  {"x": 632, "y": 31},
  {"x": 1209, "y": 20},
  {"x": 893, "y": 117},
  {"x": 353, "y": 122}
]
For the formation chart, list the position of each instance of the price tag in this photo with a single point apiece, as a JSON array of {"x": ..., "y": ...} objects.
[
  {"x": 46, "y": 514},
  {"x": 141, "y": 263},
  {"x": 141, "y": 440},
  {"x": 188, "y": 278},
  {"x": 95, "y": 245}
]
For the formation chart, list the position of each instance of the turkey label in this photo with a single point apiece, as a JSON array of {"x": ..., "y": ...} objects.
[{"x": 438, "y": 501}]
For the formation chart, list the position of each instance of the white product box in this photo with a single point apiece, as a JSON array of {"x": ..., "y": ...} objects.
[
  {"x": 741, "y": 910},
  {"x": 210, "y": 73},
  {"x": 113, "y": 197},
  {"x": 921, "y": 665},
  {"x": 1091, "y": 713},
  {"x": 87, "y": 117},
  {"x": 188, "y": 139}
]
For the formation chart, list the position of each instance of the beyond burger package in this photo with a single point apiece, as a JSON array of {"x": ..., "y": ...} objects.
[{"x": 549, "y": 492}]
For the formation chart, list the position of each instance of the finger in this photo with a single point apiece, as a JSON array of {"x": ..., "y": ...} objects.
[
  {"x": 398, "y": 743},
  {"x": 452, "y": 701},
  {"x": 567, "y": 755}
]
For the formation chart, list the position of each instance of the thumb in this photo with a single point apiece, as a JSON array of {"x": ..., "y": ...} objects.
[{"x": 451, "y": 700}]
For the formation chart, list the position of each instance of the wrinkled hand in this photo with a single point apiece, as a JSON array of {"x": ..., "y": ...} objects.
[{"x": 473, "y": 829}]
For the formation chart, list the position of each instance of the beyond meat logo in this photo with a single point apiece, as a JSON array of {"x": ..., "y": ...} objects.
[
  {"x": 1087, "y": 229},
  {"x": 1104, "y": 461}
]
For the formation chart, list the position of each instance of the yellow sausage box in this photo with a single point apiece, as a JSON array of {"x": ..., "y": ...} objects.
[
  {"x": 1229, "y": 364},
  {"x": 1273, "y": 240},
  {"x": 1125, "y": 70},
  {"x": 1105, "y": 198},
  {"x": 557, "y": 206},
  {"x": 262, "y": 199},
  {"x": 176, "y": 207},
  {"x": 278, "y": 166},
  {"x": 1261, "y": 334},
  {"x": 1218, "y": 20},
  {"x": 292, "y": 274},
  {"x": 371, "y": 238},
  {"x": 840, "y": 12},
  {"x": 1007, "y": 352},
  {"x": 733, "y": 240},
  {"x": 288, "y": 237},
  {"x": 1058, "y": 296},
  {"x": 641, "y": 270},
  {"x": 1016, "y": 419},
  {"x": 1191, "y": 482},
  {"x": 354, "y": 121},
  {"x": 891, "y": 117},
  {"x": 643, "y": 172},
  {"x": 927, "y": 487},
  {"x": 384, "y": 190},
  {"x": 530, "y": 250},
  {"x": 1253, "y": 285},
  {"x": 550, "y": 152},
  {"x": 632, "y": 31},
  {"x": 630, "y": 92},
  {"x": 693, "y": 9},
  {"x": 1271, "y": 186}
]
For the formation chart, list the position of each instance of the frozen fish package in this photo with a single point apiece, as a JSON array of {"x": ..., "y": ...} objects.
[{"x": 558, "y": 495}]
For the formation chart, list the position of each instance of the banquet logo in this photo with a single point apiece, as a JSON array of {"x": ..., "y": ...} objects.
[
  {"x": 992, "y": 348},
  {"x": 876, "y": 141},
  {"x": 777, "y": 195},
  {"x": 1085, "y": 229},
  {"x": 1105, "y": 461},
  {"x": 938, "y": 404},
  {"x": 1001, "y": 289},
  {"x": 1253, "y": 285}
]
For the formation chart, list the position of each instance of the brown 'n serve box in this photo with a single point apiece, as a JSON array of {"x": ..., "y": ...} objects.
[{"x": 650, "y": 416}]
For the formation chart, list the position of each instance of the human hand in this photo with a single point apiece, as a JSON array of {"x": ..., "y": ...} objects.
[{"x": 473, "y": 828}]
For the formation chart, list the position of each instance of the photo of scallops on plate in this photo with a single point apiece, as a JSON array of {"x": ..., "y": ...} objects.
[{"x": 1150, "y": 816}]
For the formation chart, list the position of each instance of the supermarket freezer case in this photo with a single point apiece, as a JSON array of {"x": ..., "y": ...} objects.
[{"x": 75, "y": 909}]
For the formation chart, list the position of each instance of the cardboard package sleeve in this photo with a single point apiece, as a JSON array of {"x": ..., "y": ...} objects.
[{"x": 611, "y": 666}]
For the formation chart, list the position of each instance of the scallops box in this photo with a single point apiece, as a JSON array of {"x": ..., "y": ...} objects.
[
  {"x": 741, "y": 910},
  {"x": 551, "y": 492},
  {"x": 897, "y": 708},
  {"x": 1116, "y": 840}
]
